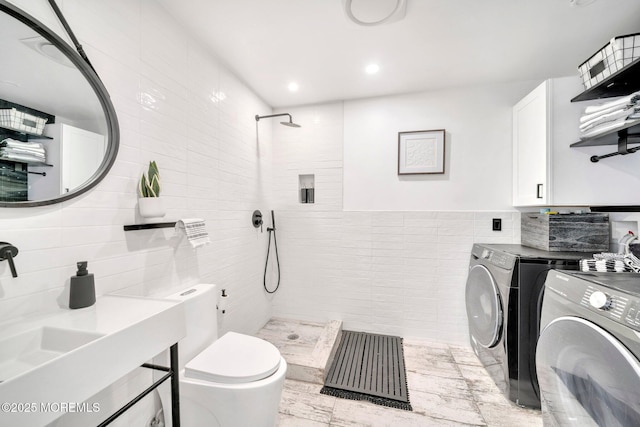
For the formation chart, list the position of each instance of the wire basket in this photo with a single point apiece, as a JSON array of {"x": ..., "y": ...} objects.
[
  {"x": 614, "y": 56},
  {"x": 11, "y": 118}
]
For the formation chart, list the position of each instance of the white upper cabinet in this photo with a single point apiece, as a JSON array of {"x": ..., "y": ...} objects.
[
  {"x": 531, "y": 148},
  {"x": 547, "y": 171}
]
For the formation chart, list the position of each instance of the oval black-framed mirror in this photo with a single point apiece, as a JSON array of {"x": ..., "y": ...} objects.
[{"x": 52, "y": 104}]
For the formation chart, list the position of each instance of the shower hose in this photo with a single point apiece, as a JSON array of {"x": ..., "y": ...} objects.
[{"x": 266, "y": 263}]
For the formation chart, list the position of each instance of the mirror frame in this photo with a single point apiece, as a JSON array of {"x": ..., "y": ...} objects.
[{"x": 113, "y": 137}]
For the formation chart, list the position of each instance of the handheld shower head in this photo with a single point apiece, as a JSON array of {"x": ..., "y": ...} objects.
[{"x": 289, "y": 123}]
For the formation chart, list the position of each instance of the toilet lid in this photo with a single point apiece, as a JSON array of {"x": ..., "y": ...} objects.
[{"x": 235, "y": 358}]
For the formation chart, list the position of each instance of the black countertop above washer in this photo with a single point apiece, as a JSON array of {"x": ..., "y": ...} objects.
[{"x": 532, "y": 253}]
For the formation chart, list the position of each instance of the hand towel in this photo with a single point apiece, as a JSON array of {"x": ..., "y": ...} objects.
[{"x": 195, "y": 230}]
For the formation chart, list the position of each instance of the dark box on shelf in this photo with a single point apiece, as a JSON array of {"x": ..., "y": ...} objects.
[{"x": 587, "y": 232}]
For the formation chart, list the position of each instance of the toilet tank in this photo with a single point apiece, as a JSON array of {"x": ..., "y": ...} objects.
[{"x": 201, "y": 317}]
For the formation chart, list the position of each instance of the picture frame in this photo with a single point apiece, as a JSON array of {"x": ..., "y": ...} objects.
[{"x": 421, "y": 152}]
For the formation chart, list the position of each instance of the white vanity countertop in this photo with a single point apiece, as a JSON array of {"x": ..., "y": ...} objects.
[{"x": 124, "y": 332}]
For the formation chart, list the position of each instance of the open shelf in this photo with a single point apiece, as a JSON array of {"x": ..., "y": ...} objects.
[
  {"x": 609, "y": 138},
  {"x": 627, "y": 208},
  {"x": 30, "y": 163},
  {"x": 20, "y": 135},
  {"x": 149, "y": 226},
  {"x": 621, "y": 83}
]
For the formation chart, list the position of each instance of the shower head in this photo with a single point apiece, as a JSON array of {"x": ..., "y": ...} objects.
[{"x": 289, "y": 123}]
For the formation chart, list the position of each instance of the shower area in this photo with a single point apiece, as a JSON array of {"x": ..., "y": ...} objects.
[{"x": 308, "y": 347}]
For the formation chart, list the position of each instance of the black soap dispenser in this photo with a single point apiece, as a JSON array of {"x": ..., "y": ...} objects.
[{"x": 82, "y": 292}]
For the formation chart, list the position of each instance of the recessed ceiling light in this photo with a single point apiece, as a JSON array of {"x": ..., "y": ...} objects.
[
  {"x": 293, "y": 87},
  {"x": 370, "y": 13},
  {"x": 46, "y": 48},
  {"x": 372, "y": 68}
]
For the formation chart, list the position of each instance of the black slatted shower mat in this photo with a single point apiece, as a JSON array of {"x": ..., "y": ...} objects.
[{"x": 369, "y": 367}]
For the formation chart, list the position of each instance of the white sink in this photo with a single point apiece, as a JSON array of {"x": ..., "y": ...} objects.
[
  {"x": 25, "y": 351},
  {"x": 70, "y": 355}
]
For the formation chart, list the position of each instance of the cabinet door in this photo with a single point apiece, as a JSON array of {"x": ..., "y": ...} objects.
[
  {"x": 531, "y": 169},
  {"x": 82, "y": 154}
]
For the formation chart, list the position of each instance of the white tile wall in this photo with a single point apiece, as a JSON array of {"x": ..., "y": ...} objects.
[
  {"x": 177, "y": 105},
  {"x": 391, "y": 272}
]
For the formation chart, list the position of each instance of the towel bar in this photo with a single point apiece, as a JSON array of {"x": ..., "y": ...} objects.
[{"x": 623, "y": 146}]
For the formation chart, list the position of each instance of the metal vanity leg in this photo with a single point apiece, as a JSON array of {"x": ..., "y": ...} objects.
[{"x": 175, "y": 386}]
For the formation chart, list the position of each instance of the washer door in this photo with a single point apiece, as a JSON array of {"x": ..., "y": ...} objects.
[
  {"x": 484, "y": 309},
  {"x": 587, "y": 377}
]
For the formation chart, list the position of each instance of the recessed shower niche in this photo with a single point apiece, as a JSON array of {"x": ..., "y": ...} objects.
[{"x": 306, "y": 188}]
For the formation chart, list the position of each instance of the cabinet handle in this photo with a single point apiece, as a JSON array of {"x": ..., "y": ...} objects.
[{"x": 539, "y": 191}]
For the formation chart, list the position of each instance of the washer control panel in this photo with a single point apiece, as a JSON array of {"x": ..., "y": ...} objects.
[
  {"x": 500, "y": 259},
  {"x": 612, "y": 304}
]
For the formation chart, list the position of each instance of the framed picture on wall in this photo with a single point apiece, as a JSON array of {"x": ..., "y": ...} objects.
[{"x": 421, "y": 152}]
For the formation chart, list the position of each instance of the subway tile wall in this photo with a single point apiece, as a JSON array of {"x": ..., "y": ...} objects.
[
  {"x": 177, "y": 105},
  {"x": 391, "y": 272}
]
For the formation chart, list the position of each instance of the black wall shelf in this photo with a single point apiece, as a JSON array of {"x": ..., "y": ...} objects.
[
  {"x": 30, "y": 163},
  {"x": 628, "y": 208},
  {"x": 149, "y": 226},
  {"x": 608, "y": 138},
  {"x": 621, "y": 83},
  {"x": 622, "y": 138},
  {"x": 20, "y": 135}
]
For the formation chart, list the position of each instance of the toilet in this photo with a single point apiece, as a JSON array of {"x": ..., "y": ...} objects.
[{"x": 234, "y": 380}]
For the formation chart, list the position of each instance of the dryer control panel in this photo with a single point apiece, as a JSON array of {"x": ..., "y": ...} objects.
[{"x": 610, "y": 302}]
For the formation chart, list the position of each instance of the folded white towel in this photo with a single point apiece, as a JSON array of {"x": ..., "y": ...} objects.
[
  {"x": 34, "y": 152},
  {"x": 9, "y": 142},
  {"x": 23, "y": 158},
  {"x": 609, "y": 126},
  {"x": 195, "y": 230},
  {"x": 627, "y": 100},
  {"x": 608, "y": 117},
  {"x": 587, "y": 117}
]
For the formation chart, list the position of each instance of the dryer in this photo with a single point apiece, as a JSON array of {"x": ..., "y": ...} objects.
[
  {"x": 588, "y": 357},
  {"x": 503, "y": 302}
]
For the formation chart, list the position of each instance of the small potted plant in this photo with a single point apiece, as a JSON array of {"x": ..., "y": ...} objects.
[{"x": 150, "y": 204}]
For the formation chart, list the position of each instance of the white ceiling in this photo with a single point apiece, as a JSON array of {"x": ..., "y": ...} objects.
[{"x": 439, "y": 44}]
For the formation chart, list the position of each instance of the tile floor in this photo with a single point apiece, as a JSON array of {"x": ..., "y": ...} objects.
[{"x": 447, "y": 387}]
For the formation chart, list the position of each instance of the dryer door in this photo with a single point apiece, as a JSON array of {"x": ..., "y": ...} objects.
[
  {"x": 484, "y": 309},
  {"x": 587, "y": 377}
]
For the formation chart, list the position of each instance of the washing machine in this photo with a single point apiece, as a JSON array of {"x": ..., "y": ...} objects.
[
  {"x": 589, "y": 349},
  {"x": 503, "y": 300}
]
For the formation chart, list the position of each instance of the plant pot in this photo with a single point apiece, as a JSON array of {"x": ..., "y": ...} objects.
[{"x": 151, "y": 207}]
